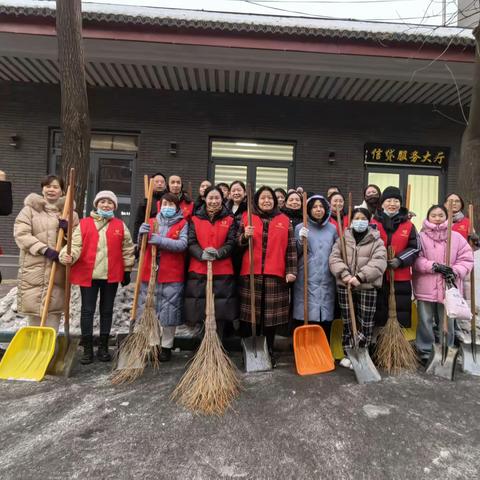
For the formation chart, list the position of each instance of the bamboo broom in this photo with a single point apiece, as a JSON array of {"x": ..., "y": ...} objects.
[
  {"x": 393, "y": 352},
  {"x": 211, "y": 381}
]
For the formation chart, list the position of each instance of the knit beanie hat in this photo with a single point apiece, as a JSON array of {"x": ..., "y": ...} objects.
[
  {"x": 105, "y": 194},
  {"x": 391, "y": 192}
]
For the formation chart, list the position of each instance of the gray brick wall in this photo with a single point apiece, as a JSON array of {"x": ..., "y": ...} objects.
[{"x": 191, "y": 119}]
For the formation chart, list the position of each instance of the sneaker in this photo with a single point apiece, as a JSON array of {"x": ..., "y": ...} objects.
[{"x": 346, "y": 363}]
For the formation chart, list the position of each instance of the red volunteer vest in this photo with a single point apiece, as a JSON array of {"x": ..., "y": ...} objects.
[
  {"x": 277, "y": 244},
  {"x": 172, "y": 264},
  {"x": 82, "y": 269},
  {"x": 212, "y": 235},
  {"x": 345, "y": 223},
  {"x": 462, "y": 227},
  {"x": 187, "y": 210},
  {"x": 399, "y": 242}
]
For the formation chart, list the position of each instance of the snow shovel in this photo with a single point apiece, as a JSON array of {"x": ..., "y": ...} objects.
[
  {"x": 310, "y": 344},
  {"x": 31, "y": 349},
  {"x": 443, "y": 358},
  {"x": 362, "y": 364},
  {"x": 471, "y": 363},
  {"x": 64, "y": 356},
  {"x": 125, "y": 359},
  {"x": 255, "y": 351}
]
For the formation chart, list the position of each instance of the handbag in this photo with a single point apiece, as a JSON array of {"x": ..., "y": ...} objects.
[{"x": 456, "y": 305}]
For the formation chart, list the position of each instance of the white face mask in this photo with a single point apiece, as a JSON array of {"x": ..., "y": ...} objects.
[
  {"x": 390, "y": 214},
  {"x": 359, "y": 225}
]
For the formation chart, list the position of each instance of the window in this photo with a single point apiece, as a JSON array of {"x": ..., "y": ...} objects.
[{"x": 257, "y": 162}]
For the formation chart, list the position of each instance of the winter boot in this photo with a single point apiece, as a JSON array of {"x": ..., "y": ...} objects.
[
  {"x": 87, "y": 343},
  {"x": 165, "y": 355},
  {"x": 102, "y": 353}
]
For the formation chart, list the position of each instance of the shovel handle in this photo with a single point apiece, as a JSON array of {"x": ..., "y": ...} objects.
[
  {"x": 53, "y": 271},
  {"x": 251, "y": 256},
  {"x": 305, "y": 262},
  {"x": 473, "y": 324},
  {"x": 66, "y": 324}
]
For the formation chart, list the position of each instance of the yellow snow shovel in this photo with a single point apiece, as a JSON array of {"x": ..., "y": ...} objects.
[{"x": 31, "y": 349}]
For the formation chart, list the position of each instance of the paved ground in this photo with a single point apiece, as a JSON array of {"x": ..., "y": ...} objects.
[{"x": 283, "y": 426}]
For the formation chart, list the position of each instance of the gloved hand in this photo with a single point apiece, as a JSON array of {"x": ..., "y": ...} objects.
[
  {"x": 207, "y": 257},
  {"x": 126, "y": 279},
  {"x": 212, "y": 251},
  {"x": 303, "y": 232},
  {"x": 443, "y": 270},
  {"x": 51, "y": 254},
  {"x": 474, "y": 239},
  {"x": 144, "y": 228},
  {"x": 63, "y": 224},
  {"x": 394, "y": 263},
  {"x": 155, "y": 239}
]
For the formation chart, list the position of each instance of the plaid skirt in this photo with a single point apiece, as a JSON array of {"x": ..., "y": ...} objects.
[{"x": 272, "y": 299}]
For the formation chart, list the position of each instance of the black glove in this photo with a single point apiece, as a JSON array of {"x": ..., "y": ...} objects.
[
  {"x": 443, "y": 270},
  {"x": 207, "y": 256},
  {"x": 126, "y": 279},
  {"x": 212, "y": 251},
  {"x": 63, "y": 224},
  {"x": 474, "y": 239},
  {"x": 394, "y": 263},
  {"x": 51, "y": 254}
]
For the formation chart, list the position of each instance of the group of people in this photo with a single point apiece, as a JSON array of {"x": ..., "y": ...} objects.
[{"x": 215, "y": 228}]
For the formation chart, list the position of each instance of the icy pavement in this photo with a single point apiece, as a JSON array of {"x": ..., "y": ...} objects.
[{"x": 282, "y": 426}]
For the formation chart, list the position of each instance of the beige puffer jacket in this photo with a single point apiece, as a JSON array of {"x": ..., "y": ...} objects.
[
  {"x": 367, "y": 259},
  {"x": 35, "y": 229}
]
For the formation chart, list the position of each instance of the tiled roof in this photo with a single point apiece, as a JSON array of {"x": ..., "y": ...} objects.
[{"x": 252, "y": 23}]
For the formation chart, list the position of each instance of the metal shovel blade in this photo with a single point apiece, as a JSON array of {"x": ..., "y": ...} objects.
[
  {"x": 64, "y": 357},
  {"x": 470, "y": 363},
  {"x": 362, "y": 364},
  {"x": 439, "y": 367},
  {"x": 255, "y": 354}
]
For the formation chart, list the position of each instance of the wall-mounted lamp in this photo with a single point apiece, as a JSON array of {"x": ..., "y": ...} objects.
[
  {"x": 331, "y": 158},
  {"x": 14, "y": 140},
  {"x": 172, "y": 150}
]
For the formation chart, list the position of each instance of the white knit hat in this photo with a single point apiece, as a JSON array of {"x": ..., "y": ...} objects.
[{"x": 106, "y": 194}]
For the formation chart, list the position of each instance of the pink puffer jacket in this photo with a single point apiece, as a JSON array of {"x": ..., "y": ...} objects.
[{"x": 429, "y": 286}]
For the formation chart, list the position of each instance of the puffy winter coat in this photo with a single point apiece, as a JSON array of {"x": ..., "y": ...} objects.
[
  {"x": 321, "y": 283},
  {"x": 367, "y": 259},
  {"x": 35, "y": 230},
  {"x": 430, "y": 286},
  {"x": 5, "y": 202}
]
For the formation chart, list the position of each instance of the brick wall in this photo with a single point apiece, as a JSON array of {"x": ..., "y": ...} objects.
[{"x": 191, "y": 118}]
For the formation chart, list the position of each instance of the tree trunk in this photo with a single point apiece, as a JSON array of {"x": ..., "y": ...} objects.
[
  {"x": 469, "y": 172},
  {"x": 75, "y": 120}
]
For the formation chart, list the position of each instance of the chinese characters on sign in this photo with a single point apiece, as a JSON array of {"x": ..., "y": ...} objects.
[{"x": 406, "y": 155}]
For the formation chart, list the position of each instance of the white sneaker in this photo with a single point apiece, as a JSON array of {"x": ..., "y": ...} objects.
[{"x": 346, "y": 363}]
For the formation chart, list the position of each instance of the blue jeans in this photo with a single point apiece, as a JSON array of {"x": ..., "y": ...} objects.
[{"x": 430, "y": 324}]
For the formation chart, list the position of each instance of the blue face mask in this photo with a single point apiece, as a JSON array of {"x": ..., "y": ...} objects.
[
  {"x": 105, "y": 214},
  {"x": 390, "y": 214},
  {"x": 168, "y": 212},
  {"x": 359, "y": 225}
]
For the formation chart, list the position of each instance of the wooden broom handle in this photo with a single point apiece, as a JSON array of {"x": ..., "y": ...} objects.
[
  {"x": 350, "y": 207},
  {"x": 68, "y": 267},
  {"x": 305, "y": 262},
  {"x": 408, "y": 197},
  {"x": 473, "y": 299},
  {"x": 143, "y": 247},
  {"x": 53, "y": 271},
  {"x": 250, "y": 256},
  {"x": 449, "y": 232},
  {"x": 145, "y": 185}
]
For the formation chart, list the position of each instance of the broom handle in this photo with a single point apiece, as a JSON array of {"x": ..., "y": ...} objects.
[
  {"x": 305, "y": 263},
  {"x": 473, "y": 327},
  {"x": 350, "y": 206},
  {"x": 209, "y": 293},
  {"x": 408, "y": 196},
  {"x": 447, "y": 259},
  {"x": 391, "y": 294},
  {"x": 250, "y": 256},
  {"x": 351, "y": 308},
  {"x": 189, "y": 189},
  {"x": 145, "y": 185},
  {"x": 68, "y": 267},
  {"x": 53, "y": 271},
  {"x": 141, "y": 259}
]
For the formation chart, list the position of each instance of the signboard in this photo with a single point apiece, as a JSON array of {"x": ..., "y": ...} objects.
[{"x": 406, "y": 155}]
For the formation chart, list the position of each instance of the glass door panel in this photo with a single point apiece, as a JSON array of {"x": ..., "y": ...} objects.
[
  {"x": 271, "y": 176},
  {"x": 229, "y": 173},
  {"x": 424, "y": 194},
  {"x": 384, "y": 180}
]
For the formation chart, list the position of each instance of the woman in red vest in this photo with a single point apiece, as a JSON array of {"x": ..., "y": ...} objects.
[
  {"x": 211, "y": 237},
  {"x": 169, "y": 232},
  {"x": 102, "y": 257},
  {"x": 461, "y": 223},
  {"x": 337, "y": 201},
  {"x": 275, "y": 265},
  {"x": 398, "y": 231},
  {"x": 175, "y": 186}
]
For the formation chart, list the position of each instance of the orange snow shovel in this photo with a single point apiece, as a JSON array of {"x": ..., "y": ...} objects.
[
  {"x": 310, "y": 344},
  {"x": 31, "y": 349}
]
